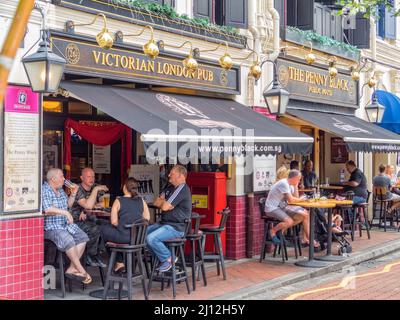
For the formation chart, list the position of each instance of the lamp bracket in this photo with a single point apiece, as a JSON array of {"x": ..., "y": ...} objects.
[
  {"x": 119, "y": 37},
  {"x": 69, "y": 27},
  {"x": 161, "y": 45},
  {"x": 196, "y": 53}
]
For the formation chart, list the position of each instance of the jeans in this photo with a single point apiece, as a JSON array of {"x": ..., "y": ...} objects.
[
  {"x": 357, "y": 200},
  {"x": 156, "y": 234}
]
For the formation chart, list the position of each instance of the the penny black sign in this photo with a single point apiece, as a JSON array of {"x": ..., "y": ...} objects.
[{"x": 314, "y": 84}]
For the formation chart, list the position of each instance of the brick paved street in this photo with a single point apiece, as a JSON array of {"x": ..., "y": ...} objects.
[{"x": 380, "y": 282}]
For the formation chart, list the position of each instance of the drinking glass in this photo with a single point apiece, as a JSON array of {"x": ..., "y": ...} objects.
[
  {"x": 327, "y": 181},
  {"x": 69, "y": 184}
]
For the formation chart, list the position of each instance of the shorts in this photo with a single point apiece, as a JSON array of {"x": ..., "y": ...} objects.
[
  {"x": 65, "y": 240},
  {"x": 287, "y": 212}
]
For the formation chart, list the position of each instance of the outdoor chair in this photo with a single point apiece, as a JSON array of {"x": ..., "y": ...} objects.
[
  {"x": 133, "y": 254},
  {"x": 215, "y": 231}
]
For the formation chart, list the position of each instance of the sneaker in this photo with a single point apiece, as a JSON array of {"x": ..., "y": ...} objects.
[
  {"x": 100, "y": 262},
  {"x": 165, "y": 266},
  {"x": 91, "y": 262}
]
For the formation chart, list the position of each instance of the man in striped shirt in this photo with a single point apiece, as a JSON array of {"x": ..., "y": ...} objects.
[{"x": 176, "y": 205}]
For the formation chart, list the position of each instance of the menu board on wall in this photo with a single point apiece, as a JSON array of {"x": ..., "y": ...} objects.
[
  {"x": 149, "y": 180},
  {"x": 21, "y": 151},
  {"x": 264, "y": 172},
  {"x": 102, "y": 159},
  {"x": 339, "y": 153}
]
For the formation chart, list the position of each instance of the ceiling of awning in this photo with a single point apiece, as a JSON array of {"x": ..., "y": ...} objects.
[{"x": 359, "y": 135}]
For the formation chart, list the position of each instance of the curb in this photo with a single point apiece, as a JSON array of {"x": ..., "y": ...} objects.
[{"x": 367, "y": 254}]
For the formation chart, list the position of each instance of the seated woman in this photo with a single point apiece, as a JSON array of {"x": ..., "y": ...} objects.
[{"x": 125, "y": 210}]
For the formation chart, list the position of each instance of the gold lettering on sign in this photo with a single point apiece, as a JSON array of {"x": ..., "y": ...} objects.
[
  {"x": 114, "y": 60},
  {"x": 320, "y": 84}
]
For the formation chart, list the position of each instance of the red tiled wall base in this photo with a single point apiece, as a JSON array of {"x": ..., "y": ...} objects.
[
  {"x": 236, "y": 228},
  {"x": 21, "y": 259},
  {"x": 257, "y": 226}
]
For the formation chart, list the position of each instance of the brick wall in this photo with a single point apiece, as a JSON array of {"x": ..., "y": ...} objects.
[
  {"x": 257, "y": 226},
  {"x": 21, "y": 259},
  {"x": 236, "y": 228}
]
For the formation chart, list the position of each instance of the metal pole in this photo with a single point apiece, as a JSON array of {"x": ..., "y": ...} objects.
[{"x": 11, "y": 44}]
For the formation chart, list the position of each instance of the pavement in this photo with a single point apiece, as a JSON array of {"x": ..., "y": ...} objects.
[{"x": 249, "y": 279}]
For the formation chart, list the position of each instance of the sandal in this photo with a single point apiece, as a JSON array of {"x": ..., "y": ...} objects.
[
  {"x": 88, "y": 279},
  {"x": 120, "y": 269},
  {"x": 74, "y": 276}
]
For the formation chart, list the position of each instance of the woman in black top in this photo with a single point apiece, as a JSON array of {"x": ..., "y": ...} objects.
[{"x": 125, "y": 210}]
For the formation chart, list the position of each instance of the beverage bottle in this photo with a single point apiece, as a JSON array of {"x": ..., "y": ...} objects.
[{"x": 341, "y": 175}]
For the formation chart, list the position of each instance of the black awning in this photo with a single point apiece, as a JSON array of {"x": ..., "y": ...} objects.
[
  {"x": 359, "y": 135},
  {"x": 185, "y": 119}
]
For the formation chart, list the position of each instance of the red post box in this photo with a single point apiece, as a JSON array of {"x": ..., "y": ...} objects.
[{"x": 209, "y": 197}]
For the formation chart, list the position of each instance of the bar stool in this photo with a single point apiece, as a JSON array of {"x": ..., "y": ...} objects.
[
  {"x": 133, "y": 253},
  {"x": 282, "y": 247},
  {"x": 196, "y": 259},
  {"x": 178, "y": 271},
  {"x": 59, "y": 259},
  {"x": 361, "y": 210},
  {"x": 346, "y": 211},
  {"x": 215, "y": 231},
  {"x": 384, "y": 204}
]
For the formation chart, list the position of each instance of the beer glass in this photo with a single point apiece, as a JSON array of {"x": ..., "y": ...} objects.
[
  {"x": 106, "y": 200},
  {"x": 69, "y": 184}
]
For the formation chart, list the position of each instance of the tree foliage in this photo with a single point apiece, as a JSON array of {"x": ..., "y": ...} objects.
[{"x": 368, "y": 7}]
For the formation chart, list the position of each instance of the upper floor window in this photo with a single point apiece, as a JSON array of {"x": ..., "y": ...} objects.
[
  {"x": 231, "y": 13},
  {"x": 321, "y": 17},
  {"x": 386, "y": 25}
]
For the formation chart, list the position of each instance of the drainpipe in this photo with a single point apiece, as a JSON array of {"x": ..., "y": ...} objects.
[
  {"x": 252, "y": 26},
  {"x": 250, "y": 197},
  {"x": 276, "y": 28}
]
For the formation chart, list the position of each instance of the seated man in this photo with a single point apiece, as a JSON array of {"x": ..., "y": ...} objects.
[
  {"x": 59, "y": 225},
  {"x": 278, "y": 206},
  {"x": 308, "y": 174},
  {"x": 87, "y": 197},
  {"x": 383, "y": 181},
  {"x": 357, "y": 183},
  {"x": 176, "y": 206}
]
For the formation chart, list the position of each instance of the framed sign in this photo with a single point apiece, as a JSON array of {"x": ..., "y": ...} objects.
[
  {"x": 102, "y": 159},
  {"x": 149, "y": 180},
  {"x": 22, "y": 151},
  {"x": 339, "y": 153},
  {"x": 264, "y": 172}
]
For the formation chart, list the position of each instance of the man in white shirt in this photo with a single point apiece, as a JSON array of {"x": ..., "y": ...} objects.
[{"x": 278, "y": 206}]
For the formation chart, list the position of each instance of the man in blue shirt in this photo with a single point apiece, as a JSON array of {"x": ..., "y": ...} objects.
[
  {"x": 59, "y": 226},
  {"x": 176, "y": 205}
]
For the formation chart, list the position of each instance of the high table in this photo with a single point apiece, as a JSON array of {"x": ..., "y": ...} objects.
[
  {"x": 329, "y": 256},
  {"x": 312, "y": 205},
  {"x": 331, "y": 189}
]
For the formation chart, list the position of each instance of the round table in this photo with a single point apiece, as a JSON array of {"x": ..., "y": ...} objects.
[
  {"x": 312, "y": 205},
  {"x": 329, "y": 256}
]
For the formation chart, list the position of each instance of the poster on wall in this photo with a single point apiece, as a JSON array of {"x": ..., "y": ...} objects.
[
  {"x": 21, "y": 151},
  {"x": 102, "y": 159},
  {"x": 264, "y": 172},
  {"x": 339, "y": 152},
  {"x": 149, "y": 180},
  {"x": 50, "y": 157}
]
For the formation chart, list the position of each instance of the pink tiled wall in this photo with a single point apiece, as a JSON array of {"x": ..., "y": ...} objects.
[
  {"x": 21, "y": 259},
  {"x": 236, "y": 228}
]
